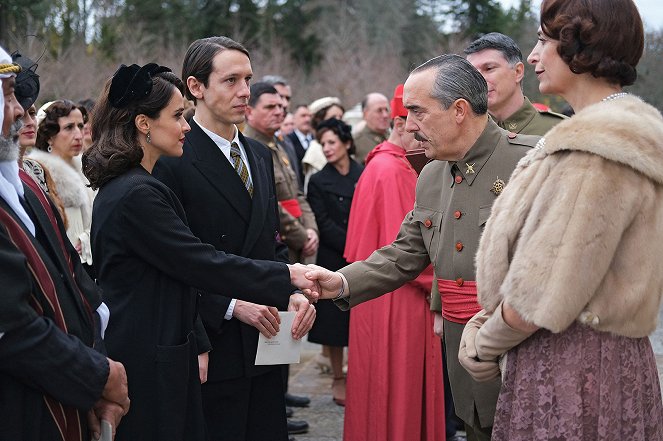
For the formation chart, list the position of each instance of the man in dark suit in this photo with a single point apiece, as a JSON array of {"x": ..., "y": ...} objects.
[
  {"x": 302, "y": 136},
  {"x": 50, "y": 375},
  {"x": 226, "y": 185}
]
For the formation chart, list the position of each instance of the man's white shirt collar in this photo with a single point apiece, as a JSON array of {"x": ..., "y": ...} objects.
[
  {"x": 224, "y": 144},
  {"x": 304, "y": 140}
]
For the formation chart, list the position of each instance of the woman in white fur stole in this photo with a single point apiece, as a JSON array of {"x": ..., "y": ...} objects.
[
  {"x": 59, "y": 145},
  {"x": 570, "y": 266}
]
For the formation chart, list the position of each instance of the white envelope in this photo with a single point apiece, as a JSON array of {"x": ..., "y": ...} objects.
[{"x": 281, "y": 349}]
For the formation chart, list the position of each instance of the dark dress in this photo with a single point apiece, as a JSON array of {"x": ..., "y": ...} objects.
[
  {"x": 330, "y": 196},
  {"x": 147, "y": 261}
]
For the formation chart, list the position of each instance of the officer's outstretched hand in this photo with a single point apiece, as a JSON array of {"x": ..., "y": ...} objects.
[
  {"x": 329, "y": 283},
  {"x": 298, "y": 279}
]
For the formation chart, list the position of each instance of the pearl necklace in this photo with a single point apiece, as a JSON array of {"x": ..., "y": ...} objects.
[{"x": 615, "y": 96}]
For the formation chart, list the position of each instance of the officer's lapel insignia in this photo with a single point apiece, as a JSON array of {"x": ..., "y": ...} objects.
[
  {"x": 498, "y": 186},
  {"x": 470, "y": 168},
  {"x": 512, "y": 126}
]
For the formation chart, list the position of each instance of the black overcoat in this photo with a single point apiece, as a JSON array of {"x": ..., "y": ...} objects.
[
  {"x": 330, "y": 196},
  {"x": 148, "y": 261}
]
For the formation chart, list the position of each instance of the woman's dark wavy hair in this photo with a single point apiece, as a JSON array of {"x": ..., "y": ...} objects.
[
  {"x": 115, "y": 148},
  {"x": 341, "y": 129},
  {"x": 50, "y": 126},
  {"x": 602, "y": 37}
]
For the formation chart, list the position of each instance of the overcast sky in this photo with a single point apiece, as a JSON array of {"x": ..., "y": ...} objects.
[{"x": 651, "y": 11}]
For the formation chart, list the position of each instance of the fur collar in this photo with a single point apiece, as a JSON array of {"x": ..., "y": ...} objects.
[
  {"x": 69, "y": 183},
  {"x": 625, "y": 130}
]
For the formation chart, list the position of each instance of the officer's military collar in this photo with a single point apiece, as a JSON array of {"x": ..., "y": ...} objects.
[
  {"x": 470, "y": 166},
  {"x": 519, "y": 120},
  {"x": 260, "y": 137}
]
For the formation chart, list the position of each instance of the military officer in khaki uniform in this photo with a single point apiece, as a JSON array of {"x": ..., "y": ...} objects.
[
  {"x": 500, "y": 61},
  {"x": 298, "y": 228},
  {"x": 375, "y": 108},
  {"x": 447, "y": 103}
]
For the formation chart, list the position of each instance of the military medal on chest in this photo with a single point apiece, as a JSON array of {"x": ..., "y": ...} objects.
[{"x": 498, "y": 186}]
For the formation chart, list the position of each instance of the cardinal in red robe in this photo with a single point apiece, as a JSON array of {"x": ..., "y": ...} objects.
[{"x": 395, "y": 390}]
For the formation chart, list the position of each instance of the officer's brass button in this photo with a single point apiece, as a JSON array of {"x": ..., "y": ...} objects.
[
  {"x": 511, "y": 135},
  {"x": 460, "y": 281},
  {"x": 458, "y": 179},
  {"x": 459, "y": 246},
  {"x": 428, "y": 223},
  {"x": 457, "y": 214}
]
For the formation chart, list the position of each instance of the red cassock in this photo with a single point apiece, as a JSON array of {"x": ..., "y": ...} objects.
[{"x": 395, "y": 390}]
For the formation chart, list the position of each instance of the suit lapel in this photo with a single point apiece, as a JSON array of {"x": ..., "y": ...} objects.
[
  {"x": 261, "y": 186},
  {"x": 299, "y": 148},
  {"x": 211, "y": 163}
]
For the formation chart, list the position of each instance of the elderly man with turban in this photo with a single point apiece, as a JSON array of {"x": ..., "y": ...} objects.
[{"x": 55, "y": 385}]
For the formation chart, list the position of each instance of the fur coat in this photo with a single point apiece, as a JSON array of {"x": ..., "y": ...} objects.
[
  {"x": 71, "y": 188},
  {"x": 578, "y": 232}
]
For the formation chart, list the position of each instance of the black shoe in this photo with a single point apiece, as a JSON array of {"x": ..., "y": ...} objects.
[
  {"x": 296, "y": 400},
  {"x": 289, "y": 412},
  {"x": 296, "y": 426},
  {"x": 291, "y": 438}
]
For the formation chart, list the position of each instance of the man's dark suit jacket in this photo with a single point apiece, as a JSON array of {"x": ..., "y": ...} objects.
[
  {"x": 221, "y": 212},
  {"x": 300, "y": 151}
]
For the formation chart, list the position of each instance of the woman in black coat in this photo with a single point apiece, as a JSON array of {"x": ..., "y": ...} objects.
[
  {"x": 330, "y": 194},
  {"x": 148, "y": 260}
]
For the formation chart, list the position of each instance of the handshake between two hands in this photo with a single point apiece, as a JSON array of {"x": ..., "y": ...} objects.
[{"x": 315, "y": 281}]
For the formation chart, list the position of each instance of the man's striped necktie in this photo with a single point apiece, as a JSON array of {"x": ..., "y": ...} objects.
[{"x": 240, "y": 167}]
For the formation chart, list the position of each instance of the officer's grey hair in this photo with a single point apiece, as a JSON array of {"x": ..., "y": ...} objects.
[
  {"x": 274, "y": 79},
  {"x": 499, "y": 42},
  {"x": 456, "y": 78}
]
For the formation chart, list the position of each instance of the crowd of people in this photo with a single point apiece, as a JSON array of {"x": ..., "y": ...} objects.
[{"x": 504, "y": 291}]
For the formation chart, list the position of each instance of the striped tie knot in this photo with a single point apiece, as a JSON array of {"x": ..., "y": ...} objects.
[{"x": 240, "y": 167}]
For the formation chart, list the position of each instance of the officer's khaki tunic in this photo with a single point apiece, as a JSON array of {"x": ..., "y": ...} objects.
[
  {"x": 293, "y": 230},
  {"x": 431, "y": 234},
  {"x": 525, "y": 121}
]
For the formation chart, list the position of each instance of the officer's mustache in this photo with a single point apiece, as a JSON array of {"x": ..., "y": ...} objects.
[{"x": 420, "y": 137}]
